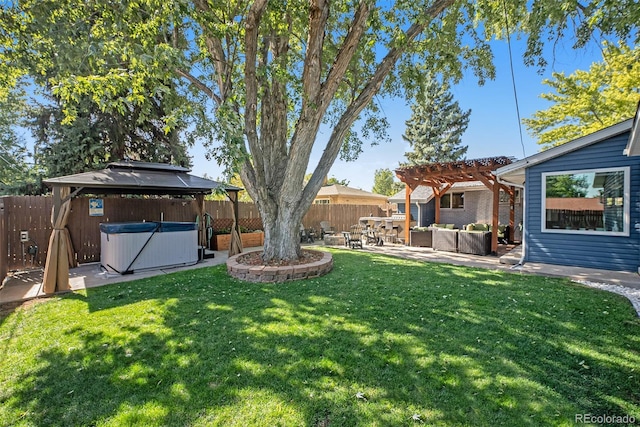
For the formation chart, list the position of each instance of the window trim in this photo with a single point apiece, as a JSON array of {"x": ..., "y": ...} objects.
[{"x": 626, "y": 218}]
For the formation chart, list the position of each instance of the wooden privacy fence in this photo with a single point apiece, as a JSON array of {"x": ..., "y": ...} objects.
[{"x": 32, "y": 214}]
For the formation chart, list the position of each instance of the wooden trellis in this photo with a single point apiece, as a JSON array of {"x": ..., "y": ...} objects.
[{"x": 441, "y": 176}]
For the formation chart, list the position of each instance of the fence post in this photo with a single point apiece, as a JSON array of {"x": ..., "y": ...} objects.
[{"x": 3, "y": 242}]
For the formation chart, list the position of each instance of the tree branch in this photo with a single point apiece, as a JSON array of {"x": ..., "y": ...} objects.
[
  {"x": 352, "y": 112},
  {"x": 200, "y": 85},
  {"x": 251, "y": 79}
]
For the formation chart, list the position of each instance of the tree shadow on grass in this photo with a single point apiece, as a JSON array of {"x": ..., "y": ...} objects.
[{"x": 376, "y": 342}]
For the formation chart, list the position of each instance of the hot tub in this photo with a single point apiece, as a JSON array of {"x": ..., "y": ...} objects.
[{"x": 134, "y": 246}]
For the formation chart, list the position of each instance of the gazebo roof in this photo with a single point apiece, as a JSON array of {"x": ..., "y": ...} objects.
[
  {"x": 133, "y": 177},
  {"x": 448, "y": 173}
]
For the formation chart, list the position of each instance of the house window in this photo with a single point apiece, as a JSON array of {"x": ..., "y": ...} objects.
[
  {"x": 321, "y": 201},
  {"x": 587, "y": 202},
  {"x": 452, "y": 201}
]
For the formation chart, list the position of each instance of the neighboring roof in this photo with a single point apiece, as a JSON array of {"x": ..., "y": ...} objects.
[
  {"x": 633, "y": 147},
  {"x": 132, "y": 177},
  {"x": 341, "y": 190},
  {"x": 515, "y": 172},
  {"x": 422, "y": 194}
]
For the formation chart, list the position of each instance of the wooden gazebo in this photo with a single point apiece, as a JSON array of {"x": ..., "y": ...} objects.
[{"x": 441, "y": 176}]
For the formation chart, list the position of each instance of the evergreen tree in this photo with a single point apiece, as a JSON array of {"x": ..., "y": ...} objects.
[
  {"x": 97, "y": 137},
  {"x": 17, "y": 175},
  {"x": 435, "y": 127}
]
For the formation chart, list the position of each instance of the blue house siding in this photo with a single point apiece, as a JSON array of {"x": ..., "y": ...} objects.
[
  {"x": 427, "y": 212},
  {"x": 620, "y": 253}
]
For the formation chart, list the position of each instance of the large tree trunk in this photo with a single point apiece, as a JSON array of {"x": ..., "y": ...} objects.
[
  {"x": 274, "y": 173},
  {"x": 282, "y": 234}
]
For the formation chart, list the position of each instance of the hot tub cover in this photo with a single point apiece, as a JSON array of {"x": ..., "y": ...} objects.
[{"x": 145, "y": 227}]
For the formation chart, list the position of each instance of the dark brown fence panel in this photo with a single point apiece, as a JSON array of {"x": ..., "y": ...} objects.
[{"x": 31, "y": 214}]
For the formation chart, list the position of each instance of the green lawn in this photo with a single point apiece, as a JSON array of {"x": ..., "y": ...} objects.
[{"x": 377, "y": 342}]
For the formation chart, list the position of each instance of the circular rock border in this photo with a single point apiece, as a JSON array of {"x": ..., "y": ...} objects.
[{"x": 284, "y": 273}]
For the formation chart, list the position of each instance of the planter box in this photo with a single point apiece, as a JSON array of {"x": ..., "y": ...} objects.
[
  {"x": 249, "y": 240},
  {"x": 421, "y": 238}
]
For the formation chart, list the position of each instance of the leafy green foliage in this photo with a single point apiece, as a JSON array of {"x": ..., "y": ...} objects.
[
  {"x": 377, "y": 341},
  {"x": 257, "y": 79},
  {"x": 62, "y": 45},
  {"x": 587, "y": 101},
  {"x": 434, "y": 130},
  {"x": 17, "y": 175},
  {"x": 384, "y": 183},
  {"x": 95, "y": 138},
  {"x": 566, "y": 186},
  {"x": 333, "y": 180}
]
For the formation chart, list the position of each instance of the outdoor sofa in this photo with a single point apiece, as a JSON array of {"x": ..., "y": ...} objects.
[
  {"x": 444, "y": 238},
  {"x": 475, "y": 239}
]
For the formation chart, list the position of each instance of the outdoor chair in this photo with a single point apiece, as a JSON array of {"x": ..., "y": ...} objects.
[
  {"x": 353, "y": 238},
  {"x": 307, "y": 235},
  {"x": 374, "y": 236},
  {"x": 326, "y": 228},
  {"x": 474, "y": 242},
  {"x": 421, "y": 236}
]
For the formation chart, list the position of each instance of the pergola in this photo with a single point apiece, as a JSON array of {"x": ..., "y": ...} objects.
[
  {"x": 126, "y": 177},
  {"x": 441, "y": 176}
]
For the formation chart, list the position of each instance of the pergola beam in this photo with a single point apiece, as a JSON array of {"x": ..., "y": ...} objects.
[{"x": 441, "y": 176}]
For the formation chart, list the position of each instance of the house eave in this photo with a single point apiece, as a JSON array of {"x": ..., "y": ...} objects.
[{"x": 514, "y": 172}]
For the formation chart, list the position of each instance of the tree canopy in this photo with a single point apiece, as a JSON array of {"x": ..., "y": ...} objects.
[
  {"x": 589, "y": 100},
  {"x": 384, "y": 183},
  {"x": 261, "y": 77},
  {"x": 434, "y": 130}
]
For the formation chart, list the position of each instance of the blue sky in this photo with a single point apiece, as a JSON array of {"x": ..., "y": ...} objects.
[{"x": 493, "y": 127}]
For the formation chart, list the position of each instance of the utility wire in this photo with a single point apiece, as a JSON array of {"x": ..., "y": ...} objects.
[{"x": 513, "y": 77}]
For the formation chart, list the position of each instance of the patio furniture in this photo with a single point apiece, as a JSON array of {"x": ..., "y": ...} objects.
[
  {"x": 391, "y": 231},
  {"x": 447, "y": 226},
  {"x": 474, "y": 242},
  {"x": 353, "y": 238},
  {"x": 445, "y": 239},
  {"x": 345, "y": 235},
  {"x": 307, "y": 235},
  {"x": 422, "y": 238},
  {"x": 326, "y": 228},
  {"x": 374, "y": 236},
  {"x": 504, "y": 231}
]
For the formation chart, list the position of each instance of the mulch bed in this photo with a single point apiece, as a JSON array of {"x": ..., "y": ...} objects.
[{"x": 255, "y": 258}]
